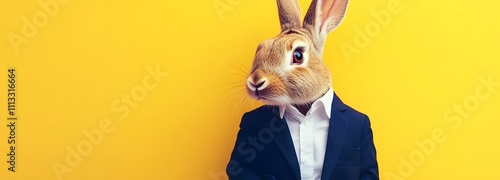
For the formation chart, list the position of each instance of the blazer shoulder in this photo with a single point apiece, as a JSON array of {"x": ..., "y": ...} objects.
[
  {"x": 353, "y": 115},
  {"x": 259, "y": 116},
  {"x": 358, "y": 121}
]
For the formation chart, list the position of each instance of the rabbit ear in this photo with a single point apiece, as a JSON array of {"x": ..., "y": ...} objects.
[
  {"x": 324, "y": 16},
  {"x": 289, "y": 13}
]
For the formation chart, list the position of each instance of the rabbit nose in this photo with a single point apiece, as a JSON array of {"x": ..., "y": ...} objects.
[{"x": 259, "y": 85}]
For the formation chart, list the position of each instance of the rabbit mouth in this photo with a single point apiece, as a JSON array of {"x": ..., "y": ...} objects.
[
  {"x": 269, "y": 99},
  {"x": 267, "y": 91},
  {"x": 259, "y": 95},
  {"x": 261, "y": 98}
]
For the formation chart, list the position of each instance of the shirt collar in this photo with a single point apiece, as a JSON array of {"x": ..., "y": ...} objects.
[{"x": 326, "y": 100}]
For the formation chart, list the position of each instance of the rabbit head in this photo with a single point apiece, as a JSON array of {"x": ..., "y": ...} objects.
[{"x": 289, "y": 69}]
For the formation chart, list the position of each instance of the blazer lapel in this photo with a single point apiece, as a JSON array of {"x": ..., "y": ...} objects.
[
  {"x": 336, "y": 135},
  {"x": 284, "y": 142}
]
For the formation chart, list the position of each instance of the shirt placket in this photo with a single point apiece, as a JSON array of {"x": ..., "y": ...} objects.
[{"x": 306, "y": 149}]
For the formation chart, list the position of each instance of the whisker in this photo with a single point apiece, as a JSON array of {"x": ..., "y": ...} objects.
[
  {"x": 231, "y": 87},
  {"x": 240, "y": 68},
  {"x": 243, "y": 65}
]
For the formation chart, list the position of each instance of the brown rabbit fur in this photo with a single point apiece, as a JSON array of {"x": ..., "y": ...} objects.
[{"x": 289, "y": 68}]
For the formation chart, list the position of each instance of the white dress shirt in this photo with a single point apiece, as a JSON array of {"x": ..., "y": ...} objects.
[{"x": 309, "y": 134}]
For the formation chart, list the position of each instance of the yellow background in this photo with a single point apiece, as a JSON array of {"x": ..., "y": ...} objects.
[{"x": 428, "y": 58}]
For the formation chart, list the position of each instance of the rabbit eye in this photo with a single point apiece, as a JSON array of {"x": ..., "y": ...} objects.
[{"x": 298, "y": 58}]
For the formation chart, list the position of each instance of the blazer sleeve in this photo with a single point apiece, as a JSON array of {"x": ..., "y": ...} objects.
[
  {"x": 369, "y": 166},
  {"x": 239, "y": 166}
]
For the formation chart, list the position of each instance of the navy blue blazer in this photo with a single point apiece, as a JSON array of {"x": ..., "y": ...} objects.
[{"x": 264, "y": 147}]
